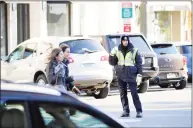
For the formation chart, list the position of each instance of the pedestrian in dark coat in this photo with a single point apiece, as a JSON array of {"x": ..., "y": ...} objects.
[{"x": 69, "y": 79}]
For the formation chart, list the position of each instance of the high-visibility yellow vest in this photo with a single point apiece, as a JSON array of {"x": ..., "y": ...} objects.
[{"x": 129, "y": 59}]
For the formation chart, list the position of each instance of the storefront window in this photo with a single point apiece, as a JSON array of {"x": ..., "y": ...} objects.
[
  {"x": 58, "y": 19},
  {"x": 23, "y": 23},
  {"x": 3, "y": 35}
]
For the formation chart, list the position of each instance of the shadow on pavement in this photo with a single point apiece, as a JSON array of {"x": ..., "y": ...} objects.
[
  {"x": 153, "y": 106},
  {"x": 154, "y": 88},
  {"x": 158, "y": 118}
]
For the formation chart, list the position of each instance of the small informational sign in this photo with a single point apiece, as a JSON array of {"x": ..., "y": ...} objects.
[
  {"x": 127, "y": 11},
  {"x": 127, "y": 27}
]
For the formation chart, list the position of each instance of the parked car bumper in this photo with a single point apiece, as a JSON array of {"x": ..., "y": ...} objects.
[
  {"x": 162, "y": 78},
  {"x": 97, "y": 79},
  {"x": 150, "y": 72}
]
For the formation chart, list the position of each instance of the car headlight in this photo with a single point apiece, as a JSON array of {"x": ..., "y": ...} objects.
[{"x": 155, "y": 62}]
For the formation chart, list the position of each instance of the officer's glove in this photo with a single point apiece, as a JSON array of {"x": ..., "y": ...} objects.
[{"x": 138, "y": 79}]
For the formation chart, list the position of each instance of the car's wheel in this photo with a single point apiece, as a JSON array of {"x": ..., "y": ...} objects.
[
  {"x": 103, "y": 93},
  {"x": 164, "y": 85},
  {"x": 41, "y": 80},
  {"x": 143, "y": 87},
  {"x": 181, "y": 85}
]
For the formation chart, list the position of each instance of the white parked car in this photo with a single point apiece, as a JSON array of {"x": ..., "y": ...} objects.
[{"x": 89, "y": 63}]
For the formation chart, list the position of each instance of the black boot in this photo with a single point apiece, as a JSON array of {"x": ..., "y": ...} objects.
[
  {"x": 139, "y": 115},
  {"x": 125, "y": 114}
]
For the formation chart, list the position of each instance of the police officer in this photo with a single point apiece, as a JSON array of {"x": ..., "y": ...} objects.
[{"x": 128, "y": 67}]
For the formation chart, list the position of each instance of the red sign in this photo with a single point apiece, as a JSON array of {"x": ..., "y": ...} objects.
[
  {"x": 127, "y": 5},
  {"x": 127, "y": 27}
]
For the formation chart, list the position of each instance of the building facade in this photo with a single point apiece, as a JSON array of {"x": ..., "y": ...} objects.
[
  {"x": 177, "y": 21},
  {"x": 21, "y": 20}
]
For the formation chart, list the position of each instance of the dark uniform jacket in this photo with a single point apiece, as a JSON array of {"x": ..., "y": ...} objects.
[{"x": 127, "y": 73}]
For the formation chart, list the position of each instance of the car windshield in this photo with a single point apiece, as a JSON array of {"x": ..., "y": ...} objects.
[
  {"x": 187, "y": 49},
  {"x": 165, "y": 49},
  {"x": 137, "y": 41},
  {"x": 82, "y": 46}
]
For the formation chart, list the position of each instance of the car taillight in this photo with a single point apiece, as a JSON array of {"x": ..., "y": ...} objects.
[
  {"x": 184, "y": 60},
  {"x": 71, "y": 60},
  {"x": 104, "y": 58}
]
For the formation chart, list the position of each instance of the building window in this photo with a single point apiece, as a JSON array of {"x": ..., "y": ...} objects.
[
  {"x": 23, "y": 25},
  {"x": 58, "y": 18},
  {"x": 3, "y": 33},
  {"x": 156, "y": 17}
]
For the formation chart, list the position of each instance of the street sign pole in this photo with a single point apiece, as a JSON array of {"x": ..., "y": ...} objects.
[{"x": 127, "y": 15}]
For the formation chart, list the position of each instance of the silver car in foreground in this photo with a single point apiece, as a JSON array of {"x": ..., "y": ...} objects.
[{"x": 29, "y": 106}]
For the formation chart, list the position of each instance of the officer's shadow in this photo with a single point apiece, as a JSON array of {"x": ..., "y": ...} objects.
[{"x": 115, "y": 91}]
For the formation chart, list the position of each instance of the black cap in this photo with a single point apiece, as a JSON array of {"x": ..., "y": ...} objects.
[{"x": 124, "y": 38}]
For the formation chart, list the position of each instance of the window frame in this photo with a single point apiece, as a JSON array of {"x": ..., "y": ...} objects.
[
  {"x": 82, "y": 108},
  {"x": 4, "y": 19},
  {"x": 23, "y": 22},
  {"x": 26, "y": 108},
  {"x": 99, "y": 48},
  {"x": 32, "y": 101},
  {"x": 35, "y": 49},
  {"x": 143, "y": 40},
  {"x": 109, "y": 45},
  {"x": 69, "y": 3},
  {"x": 23, "y": 45}
]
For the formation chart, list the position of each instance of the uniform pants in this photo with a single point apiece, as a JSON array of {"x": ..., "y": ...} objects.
[{"x": 123, "y": 94}]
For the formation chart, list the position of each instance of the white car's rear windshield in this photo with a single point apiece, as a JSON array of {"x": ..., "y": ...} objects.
[
  {"x": 77, "y": 46},
  {"x": 137, "y": 41}
]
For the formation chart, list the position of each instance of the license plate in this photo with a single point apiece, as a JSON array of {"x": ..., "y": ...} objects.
[
  {"x": 88, "y": 65},
  {"x": 171, "y": 75}
]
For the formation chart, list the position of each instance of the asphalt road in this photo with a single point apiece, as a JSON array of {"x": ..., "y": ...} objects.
[{"x": 162, "y": 107}]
